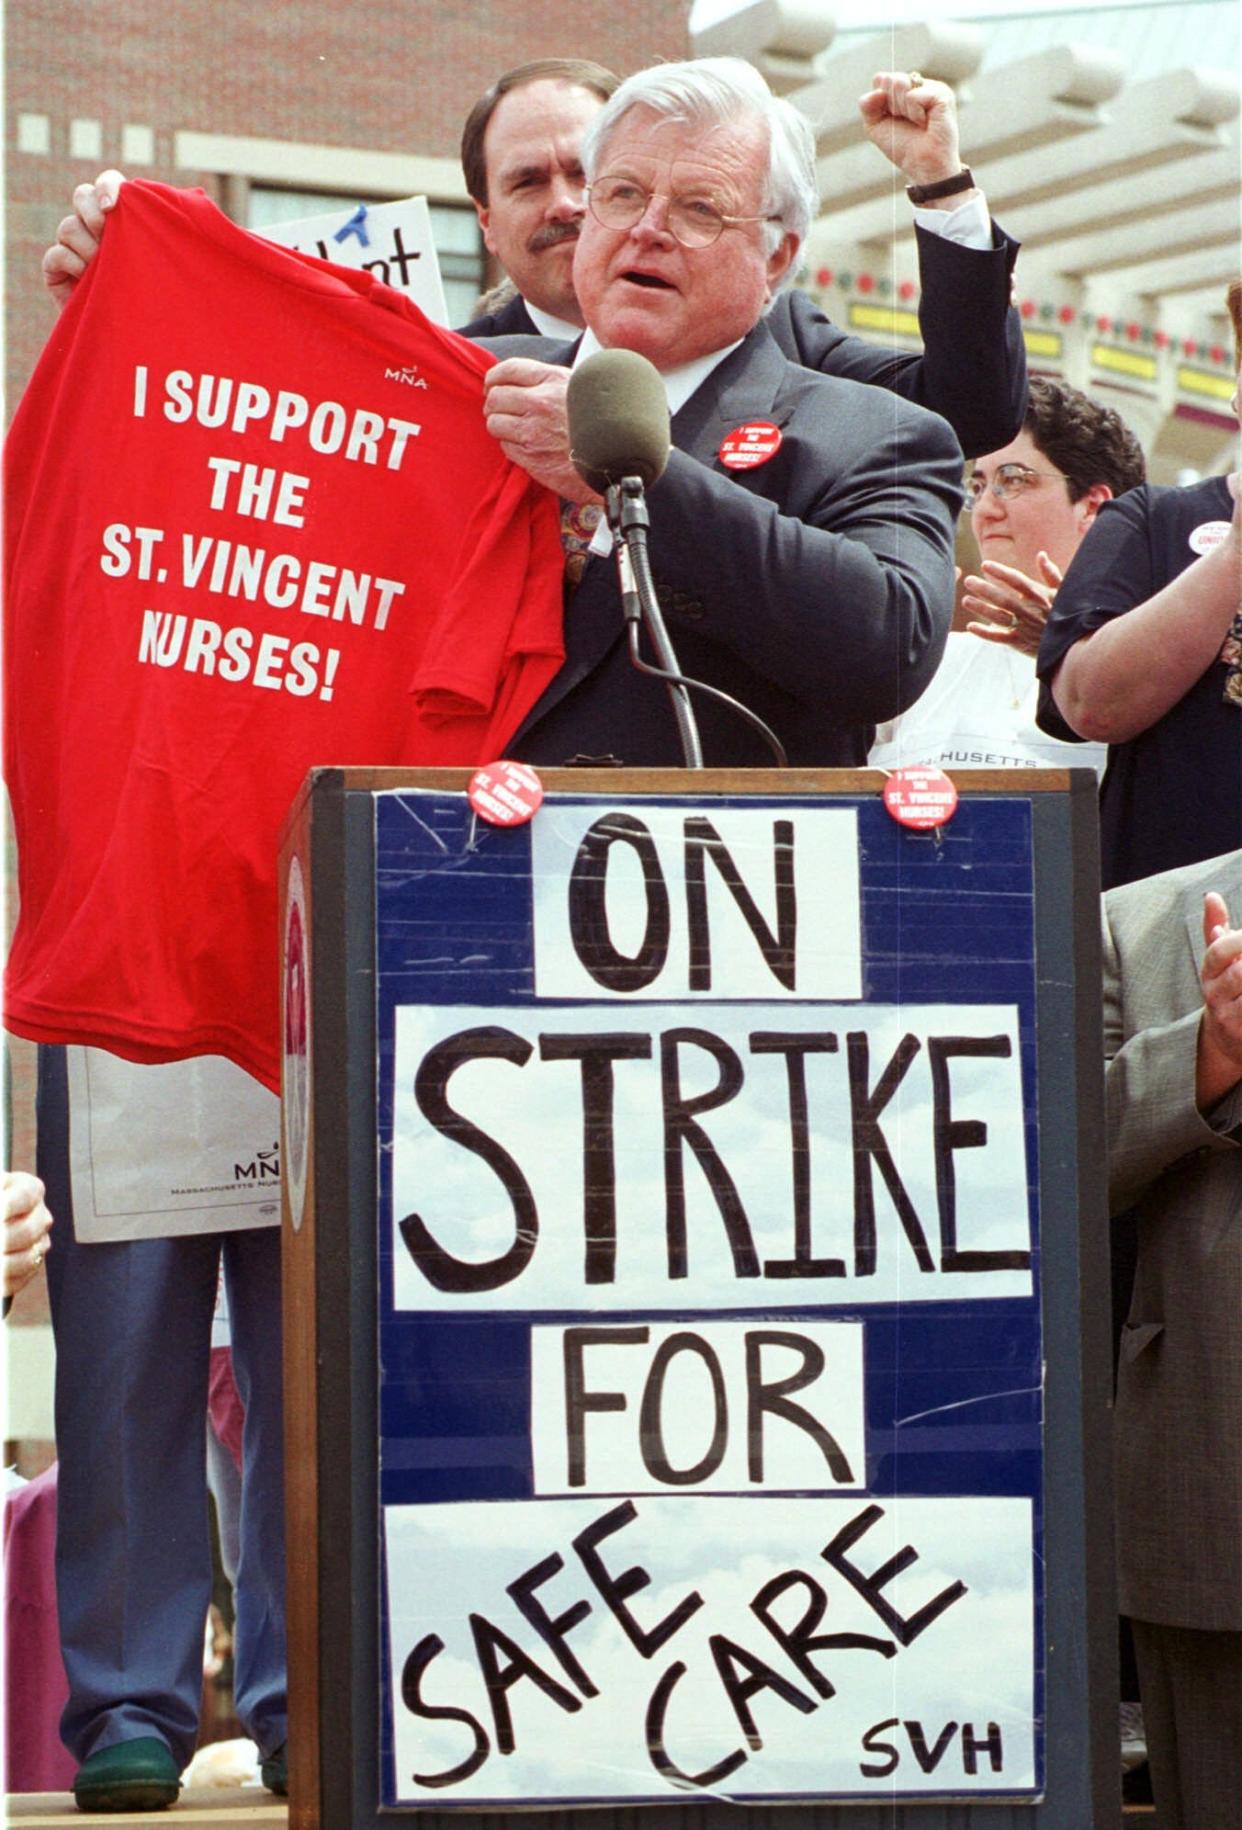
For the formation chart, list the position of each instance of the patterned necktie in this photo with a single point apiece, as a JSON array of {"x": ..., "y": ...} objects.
[
  {"x": 1231, "y": 655},
  {"x": 578, "y": 524}
]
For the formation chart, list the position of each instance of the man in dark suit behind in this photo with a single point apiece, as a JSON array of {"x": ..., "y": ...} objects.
[
  {"x": 815, "y": 585},
  {"x": 1173, "y": 1037},
  {"x": 520, "y": 155},
  {"x": 521, "y": 159}
]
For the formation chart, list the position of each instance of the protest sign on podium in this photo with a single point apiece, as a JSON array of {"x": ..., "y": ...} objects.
[{"x": 696, "y": 1303}]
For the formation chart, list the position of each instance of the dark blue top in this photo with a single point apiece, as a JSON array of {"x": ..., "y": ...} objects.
[{"x": 1173, "y": 794}]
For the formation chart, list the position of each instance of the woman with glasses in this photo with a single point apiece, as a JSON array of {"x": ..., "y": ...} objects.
[{"x": 1030, "y": 504}]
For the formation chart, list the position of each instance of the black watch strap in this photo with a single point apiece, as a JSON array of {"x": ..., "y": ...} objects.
[{"x": 943, "y": 187}]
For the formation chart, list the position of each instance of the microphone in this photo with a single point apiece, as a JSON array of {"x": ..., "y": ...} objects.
[
  {"x": 619, "y": 445},
  {"x": 618, "y": 420}
]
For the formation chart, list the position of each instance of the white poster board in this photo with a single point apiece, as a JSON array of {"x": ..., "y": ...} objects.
[{"x": 392, "y": 241}]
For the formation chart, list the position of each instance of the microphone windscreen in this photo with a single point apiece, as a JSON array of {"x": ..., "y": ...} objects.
[{"x": 618, "y": 419}]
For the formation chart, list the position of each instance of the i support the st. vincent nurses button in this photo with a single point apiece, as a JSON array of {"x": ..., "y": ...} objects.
[
  {"x": 921, "y": 797},
  {"x": 505, "y": 793},
  {"x": 750, "y": 445}
]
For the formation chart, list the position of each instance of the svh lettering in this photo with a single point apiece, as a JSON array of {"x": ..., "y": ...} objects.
[
  {"x": 929, "y": 1755},
  {"x": 503, "y": 1663}
]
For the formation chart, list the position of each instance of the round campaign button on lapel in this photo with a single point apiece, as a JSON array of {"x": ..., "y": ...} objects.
[
  {"x": 920, "y": 797},
  {"x": 505, "y": 793},
  {"x": 750, "y": 445}
]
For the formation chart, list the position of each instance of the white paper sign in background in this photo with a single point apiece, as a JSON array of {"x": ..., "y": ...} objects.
[
  {"x": 157, "y": 1151},
  {"x": 393, "y": 241}
]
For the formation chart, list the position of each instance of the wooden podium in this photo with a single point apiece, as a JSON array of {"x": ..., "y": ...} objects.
[{"x": 696, "y": 1305}]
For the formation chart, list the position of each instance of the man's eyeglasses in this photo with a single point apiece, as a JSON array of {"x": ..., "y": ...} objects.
[
  {"x": 1009, "y": 480},
  {"x": 619, "y": 203}
]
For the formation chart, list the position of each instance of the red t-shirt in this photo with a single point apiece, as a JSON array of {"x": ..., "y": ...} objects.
[{"x": 255, "y": 523}]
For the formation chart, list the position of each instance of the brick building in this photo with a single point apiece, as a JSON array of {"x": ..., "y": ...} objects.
[
  {"x": 274, "y": 108},
  {"x": 277, "y": 111}
]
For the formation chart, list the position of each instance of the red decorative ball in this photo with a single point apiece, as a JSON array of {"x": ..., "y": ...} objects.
[
  {"x": 866, "y": 282},
  {"x": 1103, "y": 325},
  {"x": 906, "y": 290},
  {"x": 1189, "y": 346},
  {"x": 1066, "y": 314},
  {"x": 1027, "y": 308},
  {"x": 1134, "y": 332},
  {"x": 1162, "y": 339},
  {"x": 1218, "y": 354},
  {"x": 824, "y": 277}
]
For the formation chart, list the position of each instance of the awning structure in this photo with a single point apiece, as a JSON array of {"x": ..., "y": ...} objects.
[{"x": 1123, "y": 183}]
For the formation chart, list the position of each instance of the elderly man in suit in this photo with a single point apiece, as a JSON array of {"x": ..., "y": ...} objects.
[
  {"x": 1173, "y": 1036},
  {"x": 815, "y": 584},
  {"x": 521, "y": 158}
]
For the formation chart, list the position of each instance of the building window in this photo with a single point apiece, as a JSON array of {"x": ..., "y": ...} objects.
[{"x": 454, "y": 228}]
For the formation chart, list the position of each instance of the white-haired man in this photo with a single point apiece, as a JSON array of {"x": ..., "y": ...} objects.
[{"x": 816, "y": 585}]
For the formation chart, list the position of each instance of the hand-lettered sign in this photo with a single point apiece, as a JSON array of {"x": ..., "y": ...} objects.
[{"x": 710, "y": 1397}]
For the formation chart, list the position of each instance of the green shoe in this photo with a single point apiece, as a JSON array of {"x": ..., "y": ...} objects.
[
  {"x": 274, "y": 1771},
  {"x": 129, "y": 1776}
]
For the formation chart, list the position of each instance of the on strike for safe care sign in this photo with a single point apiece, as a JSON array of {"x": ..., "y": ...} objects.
[{"x": 700, "y": 1172}]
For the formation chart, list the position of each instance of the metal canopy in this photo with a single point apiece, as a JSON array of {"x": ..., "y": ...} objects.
[{"x": 1124, "y": 187}]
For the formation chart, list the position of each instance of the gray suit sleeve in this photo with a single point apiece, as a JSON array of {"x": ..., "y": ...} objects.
[{"x": 1153, "y": 1121}]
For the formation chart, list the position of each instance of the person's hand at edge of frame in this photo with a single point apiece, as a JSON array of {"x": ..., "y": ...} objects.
[
  {"x": 27, "y": 1223},
  {"x": 1220, "y": 1029},
  {"x": 78, "y": 237}
]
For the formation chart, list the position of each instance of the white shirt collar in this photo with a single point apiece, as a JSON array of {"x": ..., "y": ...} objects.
[
  {"x": 548, "y": 326},
  {"x": 680, "y": 382}
]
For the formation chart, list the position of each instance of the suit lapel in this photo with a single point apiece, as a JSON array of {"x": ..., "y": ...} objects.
[{"x": 743, "y": 388}]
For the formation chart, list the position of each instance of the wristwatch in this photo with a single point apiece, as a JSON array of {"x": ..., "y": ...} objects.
[{"x": 943, "y": 187}]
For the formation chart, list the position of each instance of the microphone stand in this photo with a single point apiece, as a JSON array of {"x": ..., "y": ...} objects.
[{"x": 626, "y": 508}]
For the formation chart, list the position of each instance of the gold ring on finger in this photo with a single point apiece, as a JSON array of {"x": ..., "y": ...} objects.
[{"x": 916, "y": 77}]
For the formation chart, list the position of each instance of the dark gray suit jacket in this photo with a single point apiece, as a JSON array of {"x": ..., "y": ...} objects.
[
  {"x": 1178, "y": 1424},
  {"x": 816, "y": 587},
  {"x": 512, "y": 320},
  {"x": 972, "y": 367}
]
